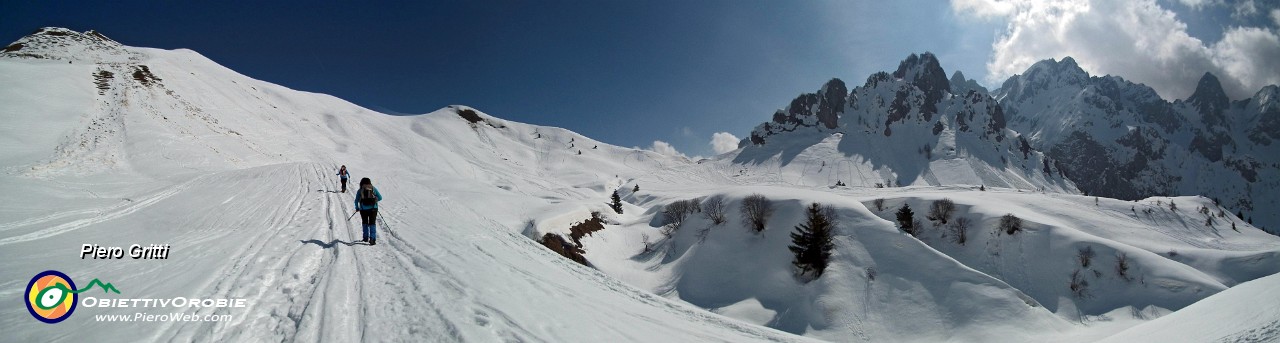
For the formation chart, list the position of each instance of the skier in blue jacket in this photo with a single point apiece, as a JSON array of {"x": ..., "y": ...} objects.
[
  {"x": 367, "y": 198},
  {"x": 342, "y": 173}
]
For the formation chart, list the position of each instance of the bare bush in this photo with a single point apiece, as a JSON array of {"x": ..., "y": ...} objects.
[
  {"x": 941, "y": 210},
  {"x": 676, "y": 212},
  {"x": 756, "y": 209},
  {"x": 959, "y": 230},
  {"x": 713, "y": 209},
  {"x": 1079, "y": 286},
  {"x": 1122, "y": 266},
  {"x": 648, "y": 245},
  {"x": 1085, "y": 256},
  {"x": 879, "y": 203},
  {"x": 1010, "y": 224},
  {"x": 871, "y": 273}
]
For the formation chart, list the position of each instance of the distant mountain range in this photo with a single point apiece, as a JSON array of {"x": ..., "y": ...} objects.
[{"x": 1051, "y": 127}]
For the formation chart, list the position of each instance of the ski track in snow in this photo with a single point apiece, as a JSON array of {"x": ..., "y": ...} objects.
[
  {"x": 77, "y": 224},
  {"x": 308, "y": 276}
]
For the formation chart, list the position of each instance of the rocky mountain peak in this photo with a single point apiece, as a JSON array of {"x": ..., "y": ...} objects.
[
  {"x": 1209, "y": 96},
  {"x": 57, "y": 43},
  {"x": 923, "y": 70},
  {"x": 961, "y": 85}
]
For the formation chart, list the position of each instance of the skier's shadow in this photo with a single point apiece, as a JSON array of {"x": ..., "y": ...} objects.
[{"x": 328, "y": 245}]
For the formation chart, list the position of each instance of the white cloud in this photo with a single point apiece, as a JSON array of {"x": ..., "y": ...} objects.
[
  {"x": 983, "y": 8},
  {"x": 1244, "y": 10},
  {"x": 722, "y": 142},
  {"x": 1138, "y": 40},
  {"x": 1249, "y": 53},
  {"x": 686, "y": 131},
  {"x": 665, "y": 149},
  {"x": 1275, "y": 16},
  {"x": 1199, "y": 4}
]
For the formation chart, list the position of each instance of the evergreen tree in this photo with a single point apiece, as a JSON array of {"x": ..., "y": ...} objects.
[
  {"x": 811, "y": 243},
  {"x": 905, "y": 216},
  {"x": 617, "y": 203}
]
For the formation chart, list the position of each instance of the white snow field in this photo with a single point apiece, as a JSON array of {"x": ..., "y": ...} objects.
[
  {"x": 1246, "y": 313},
  {"x": 237, "y": 176}
]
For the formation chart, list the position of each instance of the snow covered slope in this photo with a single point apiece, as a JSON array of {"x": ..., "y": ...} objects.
[
  {"x": 1246, "y": 313},
  {"x": 115, "y": 145},
  {"x": 235, "y": 174}
]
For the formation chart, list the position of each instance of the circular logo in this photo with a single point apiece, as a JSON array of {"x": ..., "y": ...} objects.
[{"x": 50, "y": 298}]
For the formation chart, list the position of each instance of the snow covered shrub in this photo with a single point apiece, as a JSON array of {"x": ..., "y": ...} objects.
[
  {"x": 1122, "y": 266},
  {"x": 871, "y": 273},
  {"x": 1085, "y": 256},
  {"x": 959, "y": 230},
  {"x": 714, "y": 210},
  {"x": 879, "y": 204},
  {"x": 811, "y": 241},
  {"x": 904, "y": 216},
  {"x": 941, "y": 210},
  {"x": 756, "y": 209},
  {"x": 1079, "y": 286},
  {"x": 1010, "y": 224}
]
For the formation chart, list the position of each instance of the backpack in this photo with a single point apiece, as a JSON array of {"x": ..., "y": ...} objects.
[{"x": 368, "y": 198}]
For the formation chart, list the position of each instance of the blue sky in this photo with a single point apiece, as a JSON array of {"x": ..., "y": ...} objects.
[{"x": 627, "y": 73}]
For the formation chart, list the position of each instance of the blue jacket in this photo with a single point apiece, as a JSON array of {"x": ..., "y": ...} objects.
[
  {"x": 360, "y": 207},
  {"x": 344, "y": 174}
]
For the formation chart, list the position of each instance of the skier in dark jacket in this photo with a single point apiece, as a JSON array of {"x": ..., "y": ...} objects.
[
  {"x": 367, "y": 198},
  {"x": 342, "y": 173}
]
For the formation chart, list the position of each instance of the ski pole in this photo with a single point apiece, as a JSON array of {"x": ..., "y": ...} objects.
[{"x": 353, "y": 215}]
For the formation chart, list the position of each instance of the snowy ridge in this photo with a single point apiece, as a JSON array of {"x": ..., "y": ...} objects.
[{"x": 237, "y": 175}]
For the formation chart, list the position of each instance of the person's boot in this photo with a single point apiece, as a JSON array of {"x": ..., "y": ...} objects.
[{"x": 373, "y": 241}]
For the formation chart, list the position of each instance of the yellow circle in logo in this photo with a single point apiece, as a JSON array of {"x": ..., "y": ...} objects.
[{"x": 50, "y": 297}]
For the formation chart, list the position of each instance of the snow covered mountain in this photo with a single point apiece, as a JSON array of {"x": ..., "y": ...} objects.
[
  {"x": 115, "y": 145},
  {"x": 911, "y": 127},
  {"x": 1120, "y": 139}
]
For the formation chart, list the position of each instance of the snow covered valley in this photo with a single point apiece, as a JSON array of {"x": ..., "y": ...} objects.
[{"x": 113, "y": 145}]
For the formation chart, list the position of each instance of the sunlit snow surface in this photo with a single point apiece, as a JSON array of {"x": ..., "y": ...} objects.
[{"x": 237, "y": 175}]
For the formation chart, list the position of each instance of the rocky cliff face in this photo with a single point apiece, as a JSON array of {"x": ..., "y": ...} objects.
[{"x": 1119, "y": 139}]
